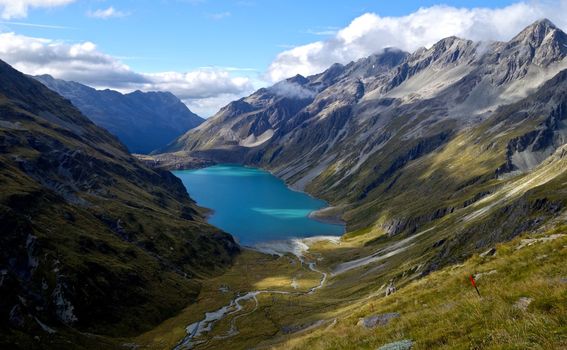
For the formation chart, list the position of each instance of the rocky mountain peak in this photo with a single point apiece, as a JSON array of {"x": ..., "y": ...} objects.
[
  {"x": 237, "y": 107},
  {"x": 541, "y": 43},
  {"x": 391, "y": 56},
  {"x": 298, "y": 79},
  {"x": 450, "y": 49},
  {"x": 536, "y": 32},
  {"x": 330, "y": 75},
  {"x": 374, "y": 64}
]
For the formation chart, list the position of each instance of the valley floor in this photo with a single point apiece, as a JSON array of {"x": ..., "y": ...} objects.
[{"x": 523, "y": 303}]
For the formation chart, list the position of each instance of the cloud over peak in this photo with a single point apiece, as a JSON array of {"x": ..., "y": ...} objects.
[
  {"x": 84, "y": 63},
  {"x": 370, "y": 33}
]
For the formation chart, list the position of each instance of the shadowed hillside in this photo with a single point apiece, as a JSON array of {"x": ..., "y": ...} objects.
[
  {"x": 92, "y": 240},
  {"x": 143, "y": 121}
]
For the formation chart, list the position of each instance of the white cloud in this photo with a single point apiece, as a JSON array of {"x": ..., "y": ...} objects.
[
  {"x": 110, "y": 12},
  {"x": 80, "y": 62},
  {"x": 19, "y": 8},
  {"x": 205, "y": 88},
  {"x": 370, "y": 33},
  {"x": 198, "y": 84},
  {"x": 292, "y": 90},
  {"x": 231, "y": 68},
  {"x": 220, "y": 15},
  {"x": 323, "y": 31},
  {"x": 208, "y": 106}
]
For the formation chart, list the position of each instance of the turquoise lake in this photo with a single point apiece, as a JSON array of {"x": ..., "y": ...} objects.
[{"x": 253, "y": 205}]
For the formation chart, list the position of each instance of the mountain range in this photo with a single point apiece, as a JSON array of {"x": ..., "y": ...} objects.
[
  {"x": 143, "y": 121},
  {"x": 92, "y": 240},
  {"x": 398, "y": 139},
  {"x": 442, "y": 162}
]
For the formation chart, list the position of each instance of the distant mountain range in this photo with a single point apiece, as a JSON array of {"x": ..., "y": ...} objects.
[
  {"x": 143, "y": 121},
  {"x": 92, "y": 240},
  {"x": 399, "y": 140}
]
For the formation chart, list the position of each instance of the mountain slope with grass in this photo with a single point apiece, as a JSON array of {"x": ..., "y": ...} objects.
[
  {"x": 93, "y": 242},
  {"x": 522, "y": 305},
  {"x": 447, "y": 162},
  {"x": 397, "y": 140},
  {"x": 350, "y": 134},
  {"x": 143, "y": 121},
  {"x": 432, "y": 158}
]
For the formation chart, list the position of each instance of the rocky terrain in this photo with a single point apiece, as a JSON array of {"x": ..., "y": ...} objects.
[
  {"x": 143, "y": 121},
  {"x": 398, "y": 140},
  {"x": 93, "y": 242}
]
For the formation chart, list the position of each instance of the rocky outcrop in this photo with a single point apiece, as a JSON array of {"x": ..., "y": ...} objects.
[
  {"x": 405, "y": 344},
  {"x": 530, "y": 149}
]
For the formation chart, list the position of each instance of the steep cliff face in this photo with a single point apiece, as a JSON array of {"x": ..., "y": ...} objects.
[
  {"x": 143, "y": 121},
  {"x": 92, "y": 240}
]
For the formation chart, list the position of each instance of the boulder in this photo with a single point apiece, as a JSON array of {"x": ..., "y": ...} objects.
[
  {"x": 377, "y": 320},
  {"x": 405, "y": 344}
]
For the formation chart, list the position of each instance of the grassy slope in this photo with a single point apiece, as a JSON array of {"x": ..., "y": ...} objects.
[
  {"x": 446, "y": 177},
  {"x": 251, "y": 271},
  {"x": 127, "y": 248},
  {"x": 441, "y": 310}
]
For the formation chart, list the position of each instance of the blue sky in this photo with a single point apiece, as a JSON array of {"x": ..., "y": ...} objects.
[
  {"x": 211, "y": 51},
  {"x": 161, "y": 35}
]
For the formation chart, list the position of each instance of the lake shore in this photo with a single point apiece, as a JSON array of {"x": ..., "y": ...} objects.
[
  {"x": 255, "y": 206},
  {"x": 328, "y": 215},
  {"x": 182, "y": 161}
]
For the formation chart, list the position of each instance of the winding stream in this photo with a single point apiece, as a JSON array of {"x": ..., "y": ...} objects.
[
  {"x": 200, "y": 328},
  {"x": 261, "y": 212}
]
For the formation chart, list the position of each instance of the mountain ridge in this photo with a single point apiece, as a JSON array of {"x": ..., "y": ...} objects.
[
  {"x": 144, "y": 121},
  {"x": 93, "y": 241},
  {"x": 351, "y": 140}
]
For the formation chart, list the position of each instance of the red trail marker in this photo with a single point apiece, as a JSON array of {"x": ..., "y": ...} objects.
[{"x": 473, "y": 282}]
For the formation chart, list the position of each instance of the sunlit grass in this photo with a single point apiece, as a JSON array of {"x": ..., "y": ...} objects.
[{"x": 443, "y": 310}]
